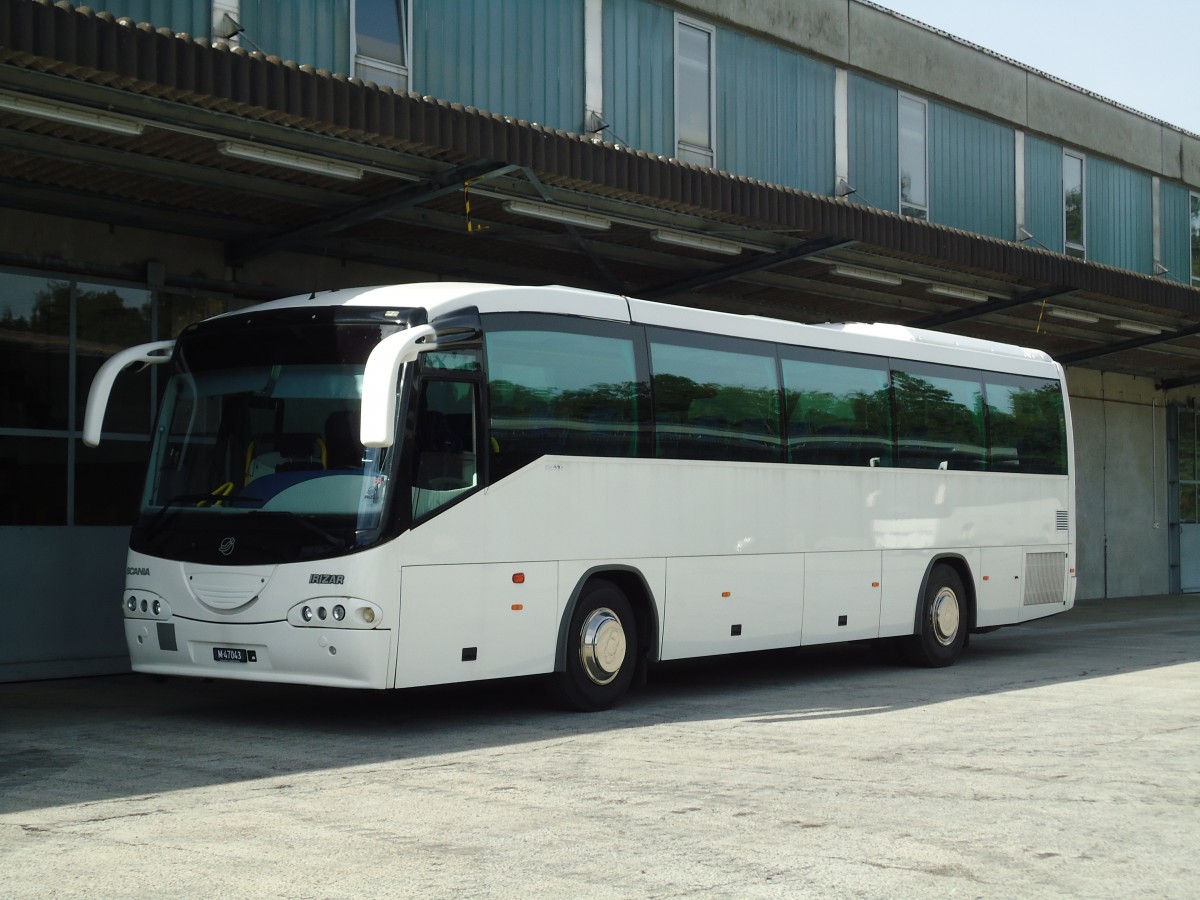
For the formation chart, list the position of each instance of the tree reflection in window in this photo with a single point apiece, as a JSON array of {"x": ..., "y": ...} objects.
[{"x": 561, "y": 393}]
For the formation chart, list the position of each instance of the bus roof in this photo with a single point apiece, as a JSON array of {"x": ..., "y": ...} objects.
[{"x": 442, "y": 298}]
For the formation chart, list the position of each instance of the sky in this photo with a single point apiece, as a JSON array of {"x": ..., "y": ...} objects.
[{"x": 1140, "y": 53}]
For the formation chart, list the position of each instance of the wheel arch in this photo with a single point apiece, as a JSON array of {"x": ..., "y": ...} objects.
[
  {"x": 632, "y": 583},
  {"x": 962, "y": 567}
]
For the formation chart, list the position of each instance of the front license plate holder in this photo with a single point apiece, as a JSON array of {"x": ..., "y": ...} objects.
[{"x": 234, "y": 655}]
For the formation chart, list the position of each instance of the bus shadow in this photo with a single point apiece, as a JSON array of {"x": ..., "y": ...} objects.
[{"x": 89, "y": 740}]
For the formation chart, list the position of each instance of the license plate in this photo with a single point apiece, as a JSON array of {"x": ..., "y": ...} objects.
[{"x": 234, "y": 655}]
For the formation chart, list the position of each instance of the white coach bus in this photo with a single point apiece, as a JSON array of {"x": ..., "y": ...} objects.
[{"x": 436, "y": 483}]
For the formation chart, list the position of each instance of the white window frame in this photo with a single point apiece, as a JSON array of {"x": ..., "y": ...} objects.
[
  {"x": 909, "y": 207},
  {"x": 1076, "y": 249},
  {"x": 705, "y": 156},
  {"x": 401, "y": 75},
  {"x": 1193, "y": 225}
]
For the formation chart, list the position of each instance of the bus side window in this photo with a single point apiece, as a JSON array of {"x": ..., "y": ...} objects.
[
  {"x": 838, "y": 408},
  {"x": 939, "y": 416},
  {"x": 714, "y": 399},
  {"x": 444, "y": 457}
]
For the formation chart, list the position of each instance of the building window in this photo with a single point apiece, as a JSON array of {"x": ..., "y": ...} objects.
[
  {"x": 55, "y": 332},
  {"x": 1195, "y": 238},
  {"x": 1074, "y": 220},
  {"x": 913, "y": 118},
  {"x": 694, "y": 94},
  {"x": 383, "y": 41}
]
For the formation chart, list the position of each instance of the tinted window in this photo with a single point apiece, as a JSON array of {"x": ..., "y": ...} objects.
[
  {"x": 939, "y": 416},
  {"x": 1026, "y": 425},
  {"x": 444, "y": 460},
  {"x": 561, "y": 392},
  {"x": 713, "y": 402},
  {"x": 838, "y": 409}
]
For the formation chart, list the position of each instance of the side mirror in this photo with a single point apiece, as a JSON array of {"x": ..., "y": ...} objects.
[
  {"x": 378, "y": 427},
  {"x": 93, "y": 418}
]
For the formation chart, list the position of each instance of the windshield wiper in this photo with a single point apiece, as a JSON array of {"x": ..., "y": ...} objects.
[{"x": 171, "y": 507}]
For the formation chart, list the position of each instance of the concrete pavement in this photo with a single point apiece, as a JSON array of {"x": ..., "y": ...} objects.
[{"x": 1058, "y": 759}]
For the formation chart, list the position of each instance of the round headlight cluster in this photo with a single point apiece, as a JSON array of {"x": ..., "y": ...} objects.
[
  {"x": 142, "y": 606},
  {"x": 357, "y": 616}
]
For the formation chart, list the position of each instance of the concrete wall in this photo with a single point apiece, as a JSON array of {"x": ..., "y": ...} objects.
[
  {"x": 62, "y": 602},
  {"x": 888, "y": 47},
  {"x": 1121, "y": 485}
]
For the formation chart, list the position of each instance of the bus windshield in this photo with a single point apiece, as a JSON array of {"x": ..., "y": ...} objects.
[{"x": 258, "y": 440}]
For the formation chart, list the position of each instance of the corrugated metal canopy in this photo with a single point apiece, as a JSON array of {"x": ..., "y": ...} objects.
[{"x": 105, "y": 120}]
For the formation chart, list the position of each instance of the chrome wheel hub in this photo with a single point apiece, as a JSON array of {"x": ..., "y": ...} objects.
[
  {"x": 602, "y": 645},
  {"x": 945, "y": 616}
]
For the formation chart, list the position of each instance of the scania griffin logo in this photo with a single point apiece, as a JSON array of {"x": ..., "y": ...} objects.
[{"x": 227, "y": 546}]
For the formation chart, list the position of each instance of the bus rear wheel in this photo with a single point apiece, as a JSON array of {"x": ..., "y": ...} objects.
[
  {"x": 602, "y": 644},
  {"x": 943, "y": 621}
]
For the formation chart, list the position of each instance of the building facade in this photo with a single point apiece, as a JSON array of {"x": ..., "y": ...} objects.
[{"x": 167, "y": 161}]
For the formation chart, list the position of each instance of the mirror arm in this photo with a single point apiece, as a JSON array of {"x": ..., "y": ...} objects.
[{"x": 152, "y": 354}]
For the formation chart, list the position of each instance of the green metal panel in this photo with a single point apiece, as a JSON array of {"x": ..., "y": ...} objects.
[
  {"x": 972, "y": 172},
  {"x": 774, "y": 113},
  {"x": 1118, "y": 207},
  {"x": 1175, "y": 231},
  {"x": 520, "y": 58},
  {"x": 1043, "y": 193},
  {"x": 309, "y": 32},
  {"x": 193, "y": 17},
  {"x": 874, "y": 151},
  {"x": 639, "y": 75}
]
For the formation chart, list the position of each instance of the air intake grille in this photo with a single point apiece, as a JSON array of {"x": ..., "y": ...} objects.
[
  {"x": 224, "y": 590},
  {"x": 1062, "y": 519},
  {"x": 1045, "y": 578}
]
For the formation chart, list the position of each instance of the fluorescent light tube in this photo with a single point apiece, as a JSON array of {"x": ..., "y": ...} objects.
[
  {"x": 697, "y": 242},
  {"x": 288, "y": 160},
  {"x": 867, "y": 275},
  {"x": 556, "y": 214},
  {"x": 959, "y": 293},
  {"x": 70, "y": 116},
  {"x": 1138, "y": 327},
  {"x": 1074, "y": 315}
]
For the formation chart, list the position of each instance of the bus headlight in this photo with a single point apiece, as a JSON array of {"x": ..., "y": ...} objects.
[
  {"x": 335, "y": 612},
  {"x": 145, "y": 605}
]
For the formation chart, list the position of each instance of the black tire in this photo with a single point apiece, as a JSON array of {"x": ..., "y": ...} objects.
[
  {"x": 943, "y": 622},
  {"x": 601, "y": 651}
]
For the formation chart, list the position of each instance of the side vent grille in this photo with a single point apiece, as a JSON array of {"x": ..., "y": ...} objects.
[
  {"x": 1045, "y": 578},
  {"x": 1062, "y": 519}
]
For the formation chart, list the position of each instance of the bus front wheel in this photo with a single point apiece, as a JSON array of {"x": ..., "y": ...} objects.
[
  {"x": 942, "y": 630},
  {"x": 601, "y": 650}
]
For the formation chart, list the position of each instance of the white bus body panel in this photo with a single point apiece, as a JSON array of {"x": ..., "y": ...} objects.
[
  {"x": 247, "y": 608},
  {"x": 784, "y": 542}
]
